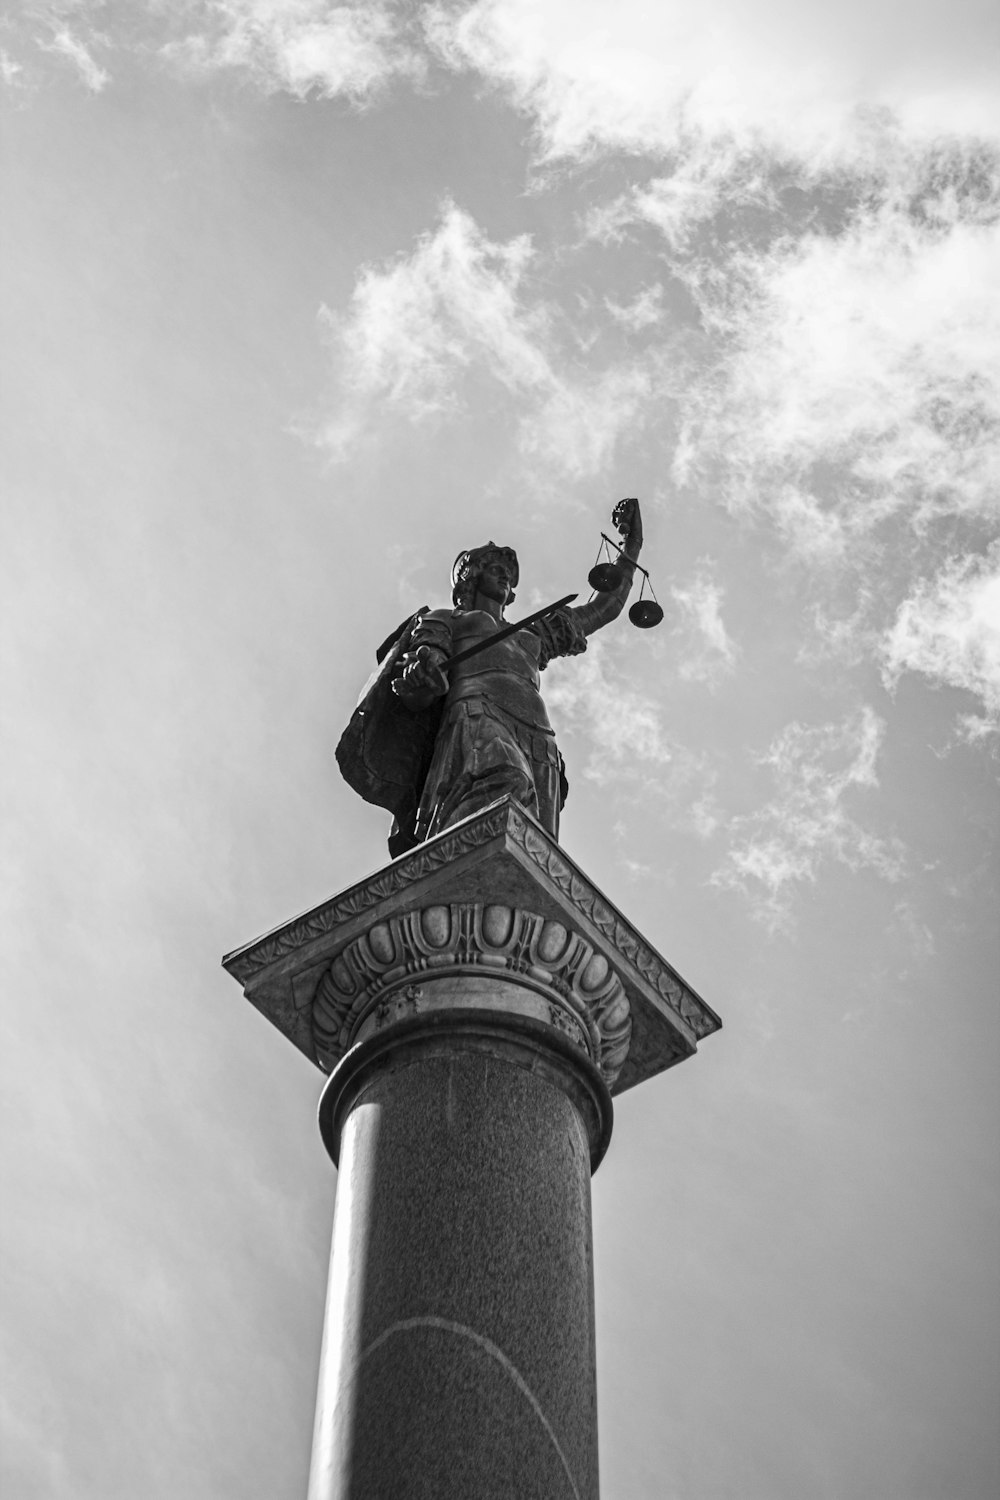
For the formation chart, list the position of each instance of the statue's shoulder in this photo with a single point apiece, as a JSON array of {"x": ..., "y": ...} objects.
[{"x": 444, "y": 615}]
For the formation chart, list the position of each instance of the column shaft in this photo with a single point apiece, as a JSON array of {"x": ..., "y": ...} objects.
[{"x": 458, "y": 1355}]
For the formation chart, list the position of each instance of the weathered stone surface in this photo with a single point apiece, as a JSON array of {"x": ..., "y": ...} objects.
[
  {"x": 322, "y": 977},
  {"x": 458, "y": 1355},
  {"x": 467, "y": 953}
]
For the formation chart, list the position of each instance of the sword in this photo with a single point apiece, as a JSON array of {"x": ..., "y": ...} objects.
[{"x": 505, "y": 631}]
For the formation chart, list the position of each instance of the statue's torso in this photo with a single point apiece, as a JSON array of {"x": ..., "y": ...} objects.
[{"x": 507, "y": 674}]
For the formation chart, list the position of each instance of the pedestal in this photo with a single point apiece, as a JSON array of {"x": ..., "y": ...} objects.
[{"x": 477, "y": 1003}]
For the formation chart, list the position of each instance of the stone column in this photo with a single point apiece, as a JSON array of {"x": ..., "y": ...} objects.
[
  {"x": 477, "y": 1003},
  {"x": 458, "y": 1352}
]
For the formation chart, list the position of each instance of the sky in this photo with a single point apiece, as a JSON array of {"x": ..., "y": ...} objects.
[{"x": 298, "y": 301}]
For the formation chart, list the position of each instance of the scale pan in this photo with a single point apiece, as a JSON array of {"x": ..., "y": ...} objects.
[
  {"x": 645, "y": 613},
  {"x": 605, "y": 578}
]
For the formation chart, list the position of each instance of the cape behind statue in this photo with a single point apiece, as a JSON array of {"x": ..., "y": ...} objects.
[{"x": 385, "y": 752}]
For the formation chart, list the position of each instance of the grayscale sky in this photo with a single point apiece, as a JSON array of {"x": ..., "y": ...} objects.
[{"x": 297, "y": 301}]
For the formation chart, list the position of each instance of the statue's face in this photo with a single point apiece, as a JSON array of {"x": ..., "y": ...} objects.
[{"x": 496, "y": 576}]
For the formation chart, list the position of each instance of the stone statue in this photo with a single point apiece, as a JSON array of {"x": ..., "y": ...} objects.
[{"x": 434, "y": 745}]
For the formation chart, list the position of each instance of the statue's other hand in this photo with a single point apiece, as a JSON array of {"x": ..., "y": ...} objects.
[
  {"x": 627, "y": 518},
  {"x": 422, "y": 676}
]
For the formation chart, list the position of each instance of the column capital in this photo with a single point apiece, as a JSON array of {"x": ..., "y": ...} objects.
[{"x": 492, "y": 913}]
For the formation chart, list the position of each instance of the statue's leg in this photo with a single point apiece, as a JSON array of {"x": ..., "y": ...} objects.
[
  {"x": 486, "y": 761},
  {"x": 548, "y": 792},
  {"x": 505, "y": 781}
]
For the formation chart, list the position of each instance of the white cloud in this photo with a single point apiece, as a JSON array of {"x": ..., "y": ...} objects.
[
  {"x": 461, "y": 306},
  {"x": 839, "y": 635},
  {"x": 856, "y": 376},
  {"x": 799, "y": 78},
  {"x": 644, "y": 311},
  {"x": 949, "y": 630},
  {"x": 806, "y": 824},
  {"x": 708, "y": 652},
  {"x": 414, "y": 329},
  {"x": 623, "y": 726},
  {"x": 69, "y": 46},
  {"x": 10, "y": 69},
  {"x": 628, "y": 744},
  {"x": 707, "y": 173},
  {"x": 915, "y": 933},
  {"x": 578, "y": 426},
  {"x": 796, "y": 79},
  {"x": 304, "y": 47}
]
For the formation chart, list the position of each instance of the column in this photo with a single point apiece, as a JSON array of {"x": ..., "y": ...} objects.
[{"x": 458, "y": 1353}]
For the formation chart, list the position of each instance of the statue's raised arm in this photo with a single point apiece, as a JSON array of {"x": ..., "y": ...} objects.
[{"x": 627, "y": 520}]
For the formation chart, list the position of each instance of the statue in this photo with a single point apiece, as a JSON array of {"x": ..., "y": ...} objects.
[{"x": 434, "y": 742}]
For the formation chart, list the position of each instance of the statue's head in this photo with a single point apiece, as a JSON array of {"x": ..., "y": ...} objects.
[{"x": 468, "y": 568}]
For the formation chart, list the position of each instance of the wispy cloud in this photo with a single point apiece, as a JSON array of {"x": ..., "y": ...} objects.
[
  {"x": 707, "y": 174},
  {"x": 915, "y": 933},
  {"x": 811, "y": 84},
  {"x": 415, "y": 328},
  {"x": 807, "y": 823},
  {"x": 948, "y": 629},
  {"x": 644, "y": 311},
  {"x": 623, "y": 726},
  {"x": 873, "y": 352},
  {"x": 628, "y": 745},
  {"x": 846, "y": 387},
  {"x": 303, "y": 47},
  {"x": 462, "y": 308},
  {"x": 11, "y": 71},
  {"x": 68, "y": 45},
  {"x": 577, "y": 427},
  {"x": 708, "y": 653}
]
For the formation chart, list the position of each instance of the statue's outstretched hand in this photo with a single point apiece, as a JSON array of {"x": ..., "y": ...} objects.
[
  {"x": 627, "y": 520},
  {"x": 422, "y": 679}
]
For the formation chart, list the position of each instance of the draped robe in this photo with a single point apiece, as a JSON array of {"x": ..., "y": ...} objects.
[{"x": 494, "y": 737}]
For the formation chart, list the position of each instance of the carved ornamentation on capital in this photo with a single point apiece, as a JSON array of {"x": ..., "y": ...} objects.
[
  {"x": 384, "y": 975},
  {"x": 508, "y": 821},
  {"x": 402, "y": 873},
  {"x": 607, "y": 921}
]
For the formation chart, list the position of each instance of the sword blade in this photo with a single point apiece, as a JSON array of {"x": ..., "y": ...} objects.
[{"x": 507, "y": 630}]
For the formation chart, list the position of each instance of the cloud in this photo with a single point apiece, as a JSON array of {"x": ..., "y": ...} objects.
[
  {"x": 844, "y": 383},
  {"x": 419, "y": 333},
  {"x": 644, "y": 311},
  {"x": 63, "y": 42},
  {"x": 948, "y": 629},
  {"x": 414, "y": 329},
  {"x": 579, "y": 424},
  {"x": 915, "y": 933},
  {"x": 857, "y": 374},
  {"x": 708, "y": 174},
  {"x": 628, "y": 744},
  {"x": 806, "y": 824},
  {"x": 623, "y": 726},
  {"x": 304, "y": 47},
  {"x": 10, "y": 70},
  {"x": 848, "y": 637},
  {"x": 708, "y": 652},
  {"x": 800, "y": 79}
]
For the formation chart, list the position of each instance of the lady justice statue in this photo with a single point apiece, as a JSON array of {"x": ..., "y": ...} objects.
[{"x": 453, "y": 718}]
